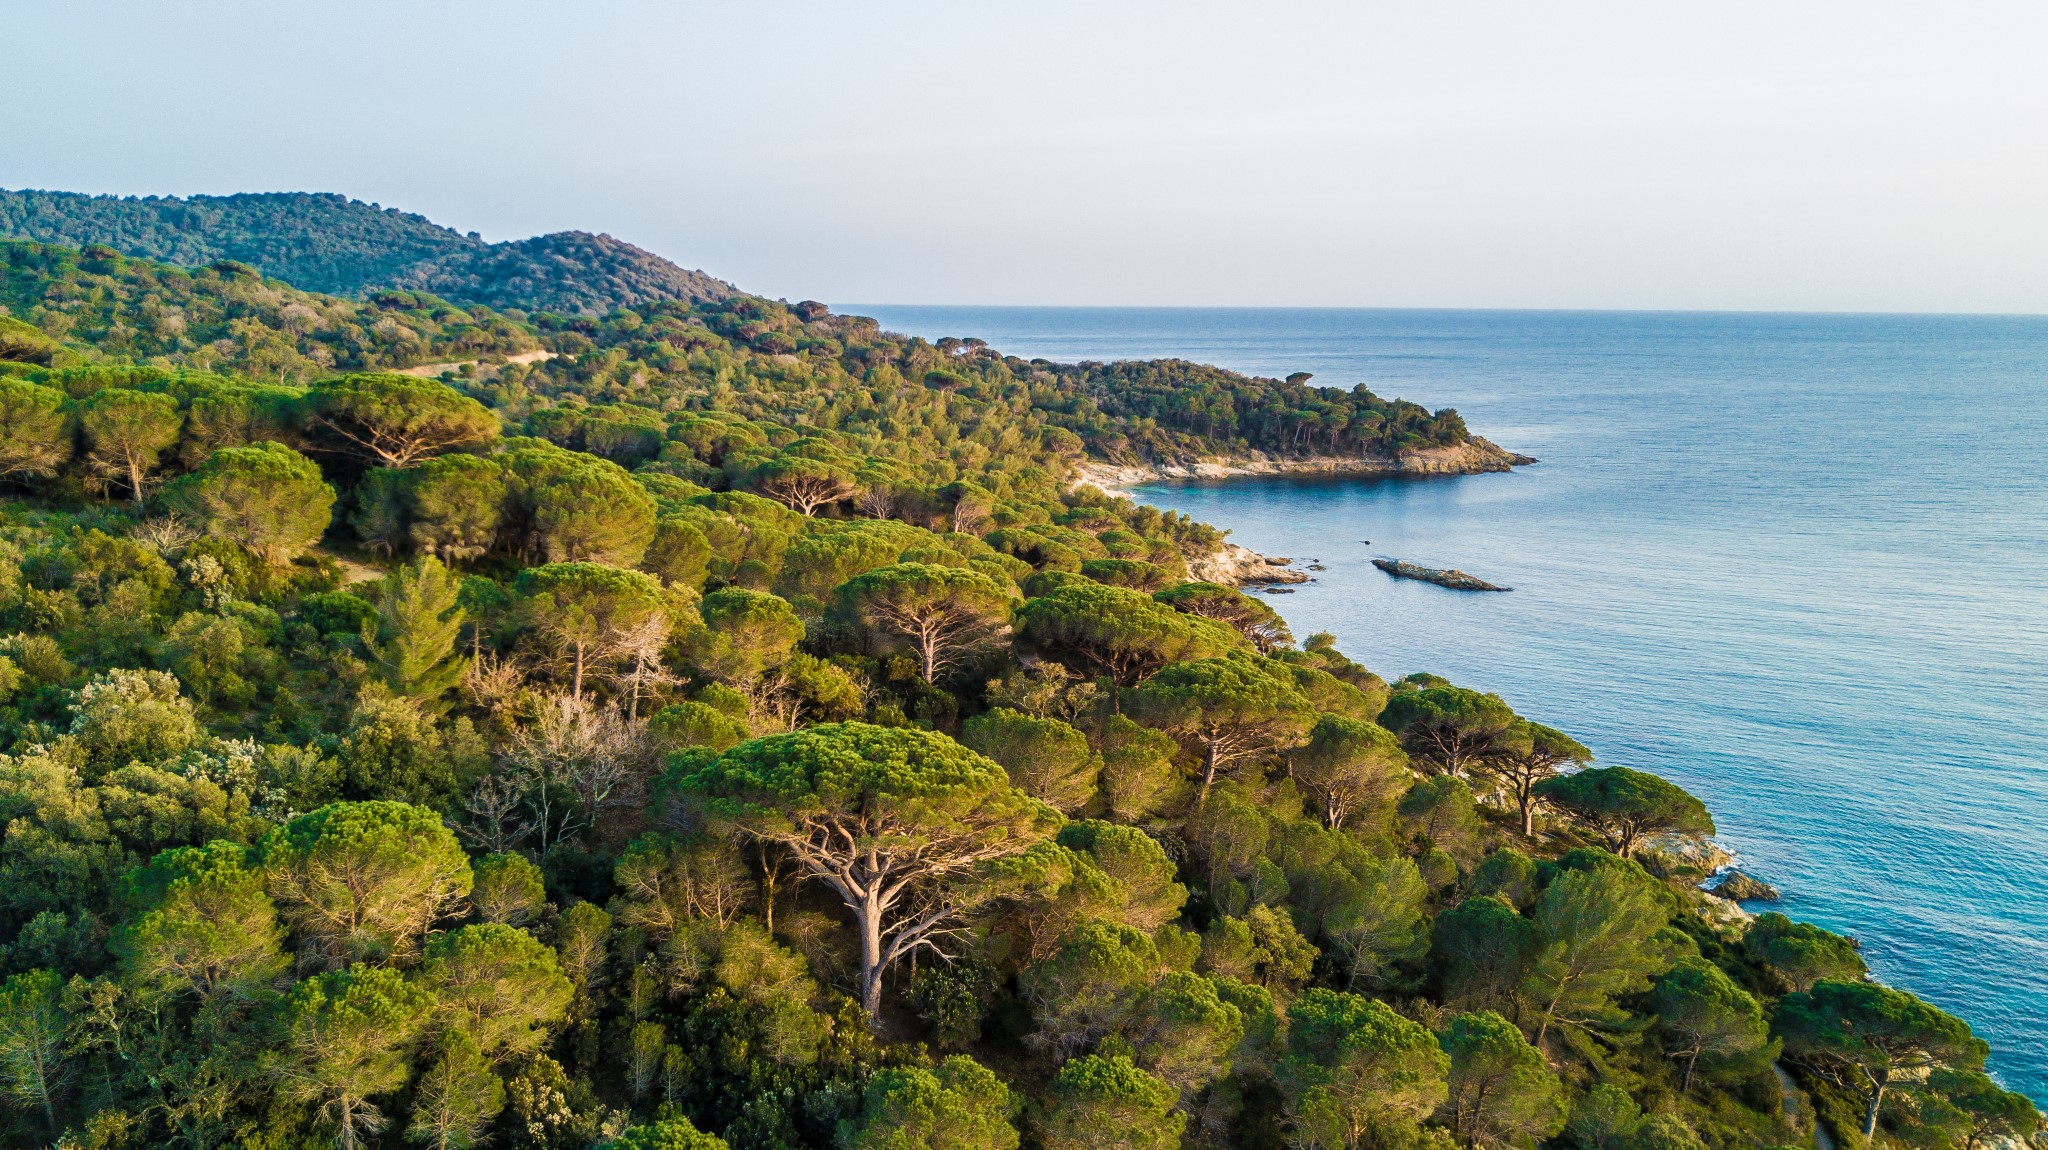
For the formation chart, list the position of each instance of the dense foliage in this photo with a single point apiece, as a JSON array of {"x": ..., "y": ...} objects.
[
  {"x": 1192, "y": 401},
  {"x": 329, "y": 243},
  {"x": 613, "y": 385},
  {"x": 736, "y": 732},
  {"x": 96, "y": 305}
]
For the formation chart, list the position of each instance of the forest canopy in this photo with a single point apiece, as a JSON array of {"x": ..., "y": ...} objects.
[
  {"x": 725, "y": 724},
  {"x": 329, "y": 243}
]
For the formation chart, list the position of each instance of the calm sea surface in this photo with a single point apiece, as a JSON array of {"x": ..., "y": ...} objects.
[{"x": 1797, "y": 563}]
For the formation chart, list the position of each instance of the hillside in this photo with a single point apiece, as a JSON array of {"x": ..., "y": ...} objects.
[
  {"x": 795, "y": 365},
  {"x": 97, "y": 305},
  {"x": 328, "y": 243},
  {"x": 574, "y": 272}
]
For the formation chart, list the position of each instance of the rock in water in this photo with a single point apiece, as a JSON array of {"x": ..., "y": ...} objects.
[
  {"x": 1739, "y": 887},
  {"x": 1453, "y": 578}
]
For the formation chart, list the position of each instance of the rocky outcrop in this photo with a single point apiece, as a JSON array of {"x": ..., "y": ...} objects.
[
  {"x": 1738, "y": 887},
  {"x": 1703, "y": 855},
  {"x": 1714, "y": 870},
  {"x": 1235, "y": 566},
  {"x": 1451, "y": 577},
  {"x": 1472, "y": 457},
  {"x": 1475, "y": 456},
  {"x": 1729, "y": 919}
]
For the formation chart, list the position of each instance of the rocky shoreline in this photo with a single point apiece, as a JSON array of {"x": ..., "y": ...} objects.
[
  {"x": 1726, "y": 888},
  {"x": 1235, "y": 566},
  {"x": 1476, "y": 456}
]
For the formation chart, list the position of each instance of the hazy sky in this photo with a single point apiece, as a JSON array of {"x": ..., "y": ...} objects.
[{"x": 1856, "y": 155}]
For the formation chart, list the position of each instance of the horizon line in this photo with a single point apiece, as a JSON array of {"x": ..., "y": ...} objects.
[{"x": 845, "y": 309}]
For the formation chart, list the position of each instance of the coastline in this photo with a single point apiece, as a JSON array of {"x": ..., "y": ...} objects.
[
  {"x": 1236, "y": 566},
  {"x": 1475, "y": 456},
  {"x": 1785, "y": 811}
]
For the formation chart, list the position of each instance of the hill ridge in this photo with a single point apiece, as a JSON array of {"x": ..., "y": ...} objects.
[{"x": 331, "y": 243}]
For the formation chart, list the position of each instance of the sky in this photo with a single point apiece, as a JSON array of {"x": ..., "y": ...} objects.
[{"x": 1783, "y": 155}]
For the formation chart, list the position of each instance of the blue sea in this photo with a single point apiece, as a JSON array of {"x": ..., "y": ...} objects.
[{"x": 1796, "y": 563}]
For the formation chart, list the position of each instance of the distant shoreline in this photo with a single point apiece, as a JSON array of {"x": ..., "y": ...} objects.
[
  {"x": 1476, "y": 456},
  {"x": 1235, "y": 566}
]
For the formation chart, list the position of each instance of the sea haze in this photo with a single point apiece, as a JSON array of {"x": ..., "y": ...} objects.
[{"x": 1797, "y": 563}]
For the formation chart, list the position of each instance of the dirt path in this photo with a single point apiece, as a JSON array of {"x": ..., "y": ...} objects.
[
  {"x": 1795, "y": 1101},
  {"x": 351, "y": 570},
  {"x": 433, "y": 370}
]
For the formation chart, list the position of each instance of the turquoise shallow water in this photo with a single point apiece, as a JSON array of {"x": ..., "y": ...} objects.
[{"x": 1797, "y": 563}]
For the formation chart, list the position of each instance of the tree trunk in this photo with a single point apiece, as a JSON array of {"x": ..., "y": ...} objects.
[
  {"x": 1877, "y": 1086},
  {"x": 576, "y": 682},
  {"x": 348, "y": 1122},
  {"x": 1685, "y": 1080},
  {"x": 1208, "y": 774},
  {"x": 135, "y": 479},
  {"x": 871, "y": 962},
  {"x": 1468, "y": 1115},
  {"x": 1528, "y": 805},
  {"x": 1543, "y": 1028},
  {"x": 771, "y": 878}
]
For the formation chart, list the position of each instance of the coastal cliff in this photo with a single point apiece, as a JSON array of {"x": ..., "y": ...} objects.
[{"x": 1475, "y": 456}]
